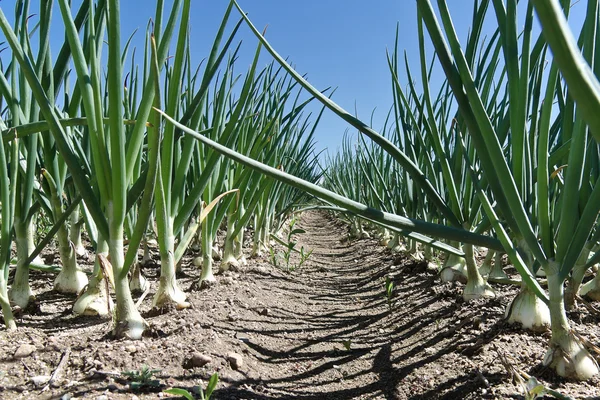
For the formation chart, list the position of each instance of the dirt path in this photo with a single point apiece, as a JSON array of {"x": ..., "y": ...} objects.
[
  {"x": 324, "y": 331},
  {"x": 326, "y": 337}
]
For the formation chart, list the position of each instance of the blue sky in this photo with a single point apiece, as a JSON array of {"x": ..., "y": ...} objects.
[
  {"x": 342, "y": 44},
  {"x": 337, "y": 43}
]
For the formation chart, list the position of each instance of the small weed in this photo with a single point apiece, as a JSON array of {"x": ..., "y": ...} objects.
[
  {"x": 289, "y": 248},
  {"x": 43, "y": 224},
  {"x": 204, "y": 395},
  {"x": 532, "y": 388},
  {"x": 142, "y": 379},
  {"x": 535, "y": 390},
  {"x": 389, "y": 292},
  {"x": 347, "y": 344}
]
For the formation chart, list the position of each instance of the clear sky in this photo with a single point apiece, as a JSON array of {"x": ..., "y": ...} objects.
[
  {"x": 340, "y": 44},
  {"x": 337, "y": 43}
]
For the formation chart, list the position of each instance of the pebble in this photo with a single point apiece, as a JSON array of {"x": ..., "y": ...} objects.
[
  {"x": 232, "y": 317},
  {"x": 196, "y": 361},
  {"x": 40, "y": 380},
  {"x": 24, "y": 350},
  {"x": 265, "y": 312},
  {"x": 235, "y": 360},
  {"x": 131, "y": 348},
  {"x": 102, "y": 397},
  {"x": 430, "y": 350}
]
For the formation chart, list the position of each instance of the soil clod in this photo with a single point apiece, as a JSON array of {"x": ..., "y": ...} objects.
[
  {"x": 235, "y": 360},
  {"x": 24, "y": 350}
]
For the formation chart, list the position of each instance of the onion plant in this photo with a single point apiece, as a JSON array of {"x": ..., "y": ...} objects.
[
  {"x": 8, "y": 169},
  {"x": 576, "y": 212},
  {"x": 106, "y": 195},
  {"x": 505, "y": 175},
  {"x": 21, "y": 110},
  {"x": 37, "y": 152},
  {"x": 178, "y": 153},
  {"x": 502, "y": 156},
  {"x": 280, "y": 138}
]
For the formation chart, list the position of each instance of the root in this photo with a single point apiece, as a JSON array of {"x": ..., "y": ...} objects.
[
  {"x": 137, "y": 282},
  {"x": 529, "y": 311},
  {"x": 487, "y": 266},
  {"x": 70, "y": 281},
  {"x": 95, "y": 301},
  {"x": 454, "y": 269},
  {"x": 169, "y": 293},
  {"x": 567, "y": 355},
  {"x": 591, "y": 289},
  {"x": 21, "y": 295},
  {"x": 132, "y": 328},
  {"x": 477, "y": 289},
  {"x": 570, "y": 359}
]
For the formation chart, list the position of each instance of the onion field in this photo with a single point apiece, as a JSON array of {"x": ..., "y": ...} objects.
[{"x": 170, "y": 229}]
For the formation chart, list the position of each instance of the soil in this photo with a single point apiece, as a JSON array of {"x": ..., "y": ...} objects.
[{"x": 322, "y": 331}]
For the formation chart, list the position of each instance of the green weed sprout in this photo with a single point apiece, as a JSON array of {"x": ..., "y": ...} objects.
[
  {"x": 289, "y": 248},
  {"x": 389, "y": 292},
  {"x": 212, "y": 385},
  {"x": 142, "y": 379}
]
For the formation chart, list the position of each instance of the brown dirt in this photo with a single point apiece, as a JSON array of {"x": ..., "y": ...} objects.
[{"x": 324, "y": 331}]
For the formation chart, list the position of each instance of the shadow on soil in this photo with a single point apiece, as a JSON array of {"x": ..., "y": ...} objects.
[{"x": 347, "y": 295}]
